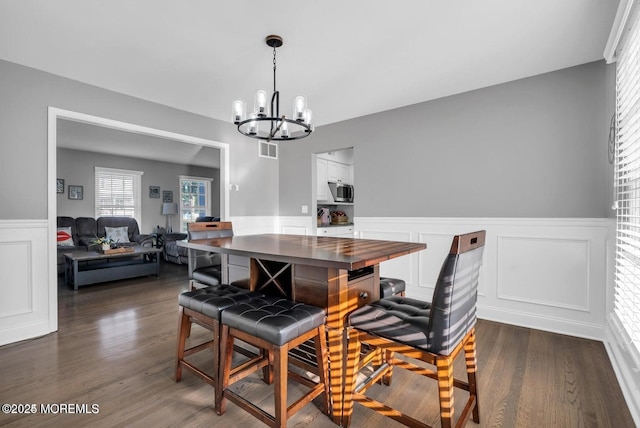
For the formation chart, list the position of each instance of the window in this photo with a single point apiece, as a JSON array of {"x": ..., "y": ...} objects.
[
  {"x": 626, "y": 314},
  {"x": 195, "y": 199},
  {"x": 118, "y": 193}
]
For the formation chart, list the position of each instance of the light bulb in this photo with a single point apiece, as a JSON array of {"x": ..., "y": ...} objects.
[
  {"x": 260, "y": 103},
  {"x": 284, "y": 130},
  {"x": 253, "y": 124},
  {"x": 308, "y": 118},
  {"x": 299, "y": 105},
  {"x": 238, "y": 111}
]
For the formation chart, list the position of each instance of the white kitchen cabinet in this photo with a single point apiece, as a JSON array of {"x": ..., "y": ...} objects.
[
  {"x": 322, "y": 188},
  {"x": 337, "y": 171}
]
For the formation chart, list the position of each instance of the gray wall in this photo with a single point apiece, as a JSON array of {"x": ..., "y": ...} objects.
[
  {"x": 77, "y": 168},
  {"x": 26, "y": 94},
  {"x": 535, "y": 147}
]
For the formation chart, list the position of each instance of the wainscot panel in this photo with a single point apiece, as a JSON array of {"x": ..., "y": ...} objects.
[
  {"x": 24, "y": 307},
  {"x": 548, "y": 274},
  {"x": 296, "y": 225}
]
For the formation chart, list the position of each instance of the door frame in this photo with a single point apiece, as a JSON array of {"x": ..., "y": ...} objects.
[{"x": 54, "y": 114}]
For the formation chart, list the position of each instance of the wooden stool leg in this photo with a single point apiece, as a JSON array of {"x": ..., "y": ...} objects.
[
  {"x": 183, "y": 331},
  {"x": 445, "y": 388},
  {"x": 470, "y": 359},
  {"x": 322, "y": 356},
  {"x": 267, "y": 372},
  {"x": 351, "y": 376},
  {"x": 388, "y": 358},
  {"x": 280, "y": 362},
  {"x": 226, "y": 357}
]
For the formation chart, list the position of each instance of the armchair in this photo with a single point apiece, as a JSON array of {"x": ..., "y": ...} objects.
[{"x": 171, "y": 252}]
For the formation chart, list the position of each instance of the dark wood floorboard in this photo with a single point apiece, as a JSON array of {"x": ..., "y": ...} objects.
[{"x": 116, "y": 344}]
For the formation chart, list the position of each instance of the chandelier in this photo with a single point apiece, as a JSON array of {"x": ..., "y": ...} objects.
[{"x": 267, "y": 124}]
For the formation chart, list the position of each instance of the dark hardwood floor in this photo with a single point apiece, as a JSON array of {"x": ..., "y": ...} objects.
[{"x": 116, "y": 344}]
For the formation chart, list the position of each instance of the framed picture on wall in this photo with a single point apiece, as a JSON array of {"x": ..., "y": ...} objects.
[
  {"x": 75, "y": 192},
  {"x": 154, "y": 192},
  {"x": 167, "y": 196},
  {"x": 59, "y": 185}
]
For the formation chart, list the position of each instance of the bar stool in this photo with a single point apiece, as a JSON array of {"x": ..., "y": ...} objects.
[
  {"x": 391, "y": 286},
  {"x": 203, "y": 306},
  {"x": 434, "y": 332},
  {"x": 275, "y": 325}
]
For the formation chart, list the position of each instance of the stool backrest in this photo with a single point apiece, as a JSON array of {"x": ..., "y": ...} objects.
[
  {"x": 453, "y": 307},
  {"x": 211, "y": 229}
]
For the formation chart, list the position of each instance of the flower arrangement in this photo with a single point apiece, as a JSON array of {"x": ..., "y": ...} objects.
[{"x": 103, "y": 241}]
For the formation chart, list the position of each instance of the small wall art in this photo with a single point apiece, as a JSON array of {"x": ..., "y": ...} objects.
[
  {"x": 167, "y": 196},
  {"x": 75, "y": 192},
  {"x": 154, "y": 192},
  {"x": 59, "y": 185}
]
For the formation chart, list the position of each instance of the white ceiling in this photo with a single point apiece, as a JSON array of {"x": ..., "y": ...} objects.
[{"x": 350, "y": 58}]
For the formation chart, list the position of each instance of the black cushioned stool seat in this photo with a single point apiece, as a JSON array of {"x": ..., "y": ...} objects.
[
  {"x": 275, "y": 325},
  {"x": 207, "y": 275},
  {"x": 397, "y": 318},
  {"x": 391, "y": 286},
  {"x": 204, "y": 307}
]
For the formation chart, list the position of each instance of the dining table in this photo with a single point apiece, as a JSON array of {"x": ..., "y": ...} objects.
[{"x": 336, "y": 273}]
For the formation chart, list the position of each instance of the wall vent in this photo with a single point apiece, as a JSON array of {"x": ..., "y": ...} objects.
[{"x": 268, "y": 150}]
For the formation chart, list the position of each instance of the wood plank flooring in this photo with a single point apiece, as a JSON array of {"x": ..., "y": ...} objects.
[{"x": 116, "y": 344}]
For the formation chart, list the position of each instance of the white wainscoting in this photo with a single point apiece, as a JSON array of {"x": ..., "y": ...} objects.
[
  {"x": 296, "y": 225},
  {"x": 292, "y": 225},
  {"x": 24, "y": 283},
  {"x": 251, "y": 225},
  {"x": 548, "y": 274}
]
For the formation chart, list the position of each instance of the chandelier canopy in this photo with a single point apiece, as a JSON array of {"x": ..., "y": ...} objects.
[{"x": 267, "y": 124}]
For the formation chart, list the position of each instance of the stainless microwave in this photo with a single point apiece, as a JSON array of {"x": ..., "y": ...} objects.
[{"x": 341, "y": 192}]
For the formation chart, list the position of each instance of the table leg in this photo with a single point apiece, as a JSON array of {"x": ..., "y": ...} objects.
[
  {"x": 75, "y": 275},
  {"x": 336, "y": 369}
]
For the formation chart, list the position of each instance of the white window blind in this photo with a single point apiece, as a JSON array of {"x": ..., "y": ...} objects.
[
  {"x": 118, "y": 193},
  {"x": 627, "y": 181},
  {"x": 195, "y": 199}
]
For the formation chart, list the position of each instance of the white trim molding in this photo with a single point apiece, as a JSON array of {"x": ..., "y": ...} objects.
[{"x": 617, "y": 29}]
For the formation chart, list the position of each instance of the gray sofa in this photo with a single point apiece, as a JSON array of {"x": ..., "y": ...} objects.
[{"x": 86, "y": 229}]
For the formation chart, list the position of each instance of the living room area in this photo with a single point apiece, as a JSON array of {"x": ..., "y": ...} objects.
[{"x": 145, "y": 187}]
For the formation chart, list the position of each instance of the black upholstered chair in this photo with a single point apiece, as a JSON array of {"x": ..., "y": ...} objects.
[
  {"x": 203, "y": 307},
  {"x": 392, "y": 286},
  {"x": 434, "y": 332},
  {"x": 205, "y": 267},
  {"x": 276, "y": 326}
]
